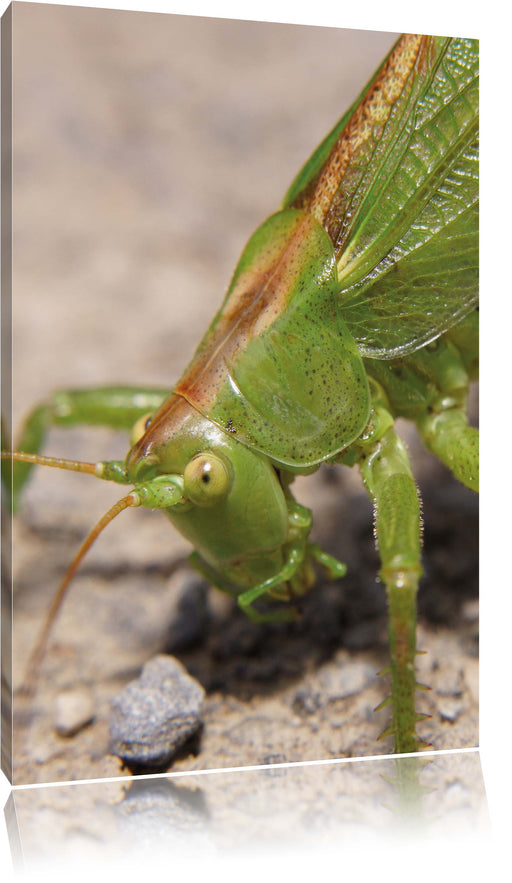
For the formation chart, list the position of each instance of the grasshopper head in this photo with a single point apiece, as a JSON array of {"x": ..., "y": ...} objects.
[{"x": 221, "y": 495}]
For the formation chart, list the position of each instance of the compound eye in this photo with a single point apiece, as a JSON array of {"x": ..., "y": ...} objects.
[
  {"x": 140, "y": 428},
  {"x": 207, "y": 479}
]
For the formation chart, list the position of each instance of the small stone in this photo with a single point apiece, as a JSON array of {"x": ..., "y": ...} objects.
[
  {"x": 450, "y": 709},
  {"x": 470, "y": 610},
  {"x": 306, "y": 702},
  {"x": 345, "y": 680},
  {"x": 74, "y": 709},
  {"x": 152, "y": 717}
]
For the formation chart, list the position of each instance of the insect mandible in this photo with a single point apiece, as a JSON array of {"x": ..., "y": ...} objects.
[{"x": 354, "y": 304}]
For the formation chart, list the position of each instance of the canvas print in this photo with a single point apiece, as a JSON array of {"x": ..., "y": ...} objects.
[{"x": 244, "y": 292}]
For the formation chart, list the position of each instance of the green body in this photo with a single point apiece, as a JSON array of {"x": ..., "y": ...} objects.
[{"x": 353, "y": 305}]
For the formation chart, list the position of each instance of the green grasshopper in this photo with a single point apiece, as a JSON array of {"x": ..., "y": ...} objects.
[{"x": 353, "y": 305}]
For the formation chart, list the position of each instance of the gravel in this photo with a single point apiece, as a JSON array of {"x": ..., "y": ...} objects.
[
  {"x": 74, "y": 709},
  {"x": 155, "y": 715}
]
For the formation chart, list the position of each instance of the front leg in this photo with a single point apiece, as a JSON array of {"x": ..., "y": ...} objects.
[
  {"x": 247, "y": 598},
  {"x": 388, "y": 478},
  {"x": 295, "y": 576},
  {"x": 116, "y": 407}
]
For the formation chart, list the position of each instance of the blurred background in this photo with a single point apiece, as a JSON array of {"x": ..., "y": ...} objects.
[{"x": 147, "y": 149}]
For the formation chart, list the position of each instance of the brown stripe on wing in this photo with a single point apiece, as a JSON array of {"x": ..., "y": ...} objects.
[
  {"x": 368, "y": 118},
  {"x": 259, "y": 297}
]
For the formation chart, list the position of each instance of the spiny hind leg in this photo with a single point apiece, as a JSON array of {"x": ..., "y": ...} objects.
[
  {"x": 387, "y": 476},
  {"x": 447, "y": 434},
  {"x": 115, "y": 407}
]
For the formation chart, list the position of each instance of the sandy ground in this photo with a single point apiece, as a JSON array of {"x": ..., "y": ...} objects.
[{"x": 147, "y": 149}]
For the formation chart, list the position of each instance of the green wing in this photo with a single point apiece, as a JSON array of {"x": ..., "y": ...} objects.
[{"x": 395, "y": 185}]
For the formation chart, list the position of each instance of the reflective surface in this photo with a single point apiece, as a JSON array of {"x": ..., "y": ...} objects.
[{"x": 295, "y": 813}]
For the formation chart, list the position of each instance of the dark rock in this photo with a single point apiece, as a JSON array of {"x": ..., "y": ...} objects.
[{"x": 152, "y": 717}]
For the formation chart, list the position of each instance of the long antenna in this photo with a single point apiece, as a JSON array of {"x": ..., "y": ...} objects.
[
  {"x": 38, "y": 652},
  {"x": 59, "y": 462}
]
